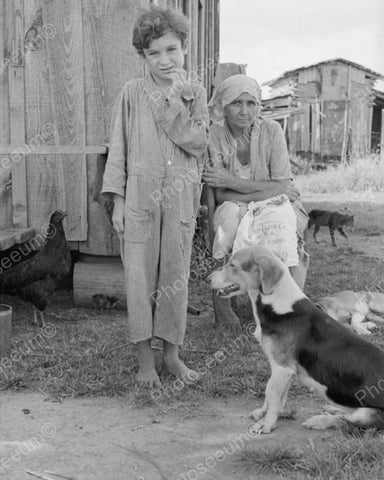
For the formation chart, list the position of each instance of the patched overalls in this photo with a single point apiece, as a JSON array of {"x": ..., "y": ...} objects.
[{"x": 155, "y": 162}]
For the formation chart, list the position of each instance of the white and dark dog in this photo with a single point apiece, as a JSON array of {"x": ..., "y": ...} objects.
[{"x": 300, "y": 339}]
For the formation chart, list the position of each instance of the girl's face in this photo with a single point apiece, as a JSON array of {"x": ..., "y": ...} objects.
[
  {"x": 241, "y": 112},
  {"x": 163, "y": 56}
]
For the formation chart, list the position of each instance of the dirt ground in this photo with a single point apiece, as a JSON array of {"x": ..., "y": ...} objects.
[{"x": 110, "y": 438}]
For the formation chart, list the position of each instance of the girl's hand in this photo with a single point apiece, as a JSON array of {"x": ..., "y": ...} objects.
[
  {"x": 118, "y": 214},
  {"x": 218, "y": 177},
  {"x": 179, "y": 81}
]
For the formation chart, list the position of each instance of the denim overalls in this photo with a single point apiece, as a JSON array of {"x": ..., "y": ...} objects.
[{"x": 155, "y": 162}]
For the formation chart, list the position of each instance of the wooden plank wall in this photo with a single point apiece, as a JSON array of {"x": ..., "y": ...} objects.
[
  {"x": 106, "y": 29},
  {"x": 5, "y": 161},
  {"x": 350, "y": 84},
  {"x": 15, "y": 19},
  {"x": 45, "y": 175},
  {"x": 334, "y": 94},
  {"x": 359, "y": 102},
  {"x": 62, "y": 88},
  {"x": 66, "y": 61},
  {"x": 74, "y": 59},
  {"x": 337, "y": 98}
]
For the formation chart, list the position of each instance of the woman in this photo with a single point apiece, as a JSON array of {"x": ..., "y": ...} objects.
[{"x": 249, "y": 162}]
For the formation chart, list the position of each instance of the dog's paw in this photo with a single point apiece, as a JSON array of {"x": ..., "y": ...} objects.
[
  {"x": 257, "y": 414},
  {"x": 370, "y": 325},
  {"x": 322, "y": 422},
  {"x": 262, "y": 426},
  {"x": 360, "y": 330}
]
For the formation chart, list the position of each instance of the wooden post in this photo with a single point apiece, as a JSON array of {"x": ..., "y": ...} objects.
[
  {"x": 345, "y": 136},
  {"x": 347, "y": 119},
  {"x": 382, "y": 137}
]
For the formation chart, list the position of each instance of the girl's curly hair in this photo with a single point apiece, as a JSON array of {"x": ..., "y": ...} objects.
[{"x": 156, "y": 22}]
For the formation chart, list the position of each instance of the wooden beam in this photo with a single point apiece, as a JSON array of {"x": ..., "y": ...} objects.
[
  {"x": 26, "y": 149},
  {"x": 283, "y": 113},
  {"x": 88, "y": 281},
  {"x": 10, "y": 236}
]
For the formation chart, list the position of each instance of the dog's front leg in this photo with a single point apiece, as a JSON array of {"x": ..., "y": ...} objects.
[
  {"x": 275, "y": 397},
  {"x": 253, "y": 298},
  {"x": 357, "y": 324}
]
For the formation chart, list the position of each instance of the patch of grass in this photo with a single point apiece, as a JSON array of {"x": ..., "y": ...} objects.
[
  {"x": 364, "y": 175},
  {"x": 89, "y": 353},
  {"x": 277, "y": 460},
  {"x": 346, "y": 457},
  {"x": 347, "y": 268}
]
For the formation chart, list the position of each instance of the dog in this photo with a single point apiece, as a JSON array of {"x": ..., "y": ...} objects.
[
  {"x": 353, "y": 308},
  {"x": 301, "y": 340}
]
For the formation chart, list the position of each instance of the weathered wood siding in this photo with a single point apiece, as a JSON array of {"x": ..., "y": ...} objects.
[
  {"x": 337, "y": 100},
  {"x": 63, "y": 63},
  {"x": 5, "y": 171}
]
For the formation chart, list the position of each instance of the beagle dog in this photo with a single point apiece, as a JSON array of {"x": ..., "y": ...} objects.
[
  {"x": 300, "y": 339},
  {"x": 353, "y": 308}
]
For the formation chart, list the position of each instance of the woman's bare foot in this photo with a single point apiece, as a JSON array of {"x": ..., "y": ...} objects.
[
  {"x": 147, "y": 375},
  {"x": 175, "y": 366}
]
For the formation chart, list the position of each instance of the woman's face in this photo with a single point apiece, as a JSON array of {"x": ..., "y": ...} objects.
[{"x": 242, "y": 111}]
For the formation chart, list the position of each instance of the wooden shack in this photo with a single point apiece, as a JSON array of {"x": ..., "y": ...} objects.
[
  {"x": 62, "y": 64},
  {"x": 329, "y": 109}
]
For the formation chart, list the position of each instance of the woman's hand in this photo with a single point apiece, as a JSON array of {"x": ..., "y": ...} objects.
[
  {"x": 291, "y": 192},
  {"x": 218, "y": 177},
  {"x": 118, "y": 214}
]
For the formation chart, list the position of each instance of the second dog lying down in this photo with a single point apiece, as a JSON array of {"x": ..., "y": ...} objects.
[
  {"x": 353, "y": 308},
  {"x": 300, "y": 339}
]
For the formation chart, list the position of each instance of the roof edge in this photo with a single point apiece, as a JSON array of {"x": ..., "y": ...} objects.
[{"x": 288, "y": 73}]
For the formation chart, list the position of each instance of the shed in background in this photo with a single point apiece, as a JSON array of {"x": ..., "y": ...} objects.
[{"x": 329, "y": 110}]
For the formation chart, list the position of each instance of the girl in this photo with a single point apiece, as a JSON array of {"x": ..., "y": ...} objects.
[{"x": 159, "y": 135}]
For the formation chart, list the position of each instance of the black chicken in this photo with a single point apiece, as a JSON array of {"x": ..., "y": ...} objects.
[{"x": 37, "y": 277}]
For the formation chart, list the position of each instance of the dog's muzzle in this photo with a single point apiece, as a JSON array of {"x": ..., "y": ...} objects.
[{"x": 222, "y": 292}]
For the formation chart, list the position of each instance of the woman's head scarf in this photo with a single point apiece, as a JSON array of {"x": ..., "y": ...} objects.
[{"x": 230, "y": 89}]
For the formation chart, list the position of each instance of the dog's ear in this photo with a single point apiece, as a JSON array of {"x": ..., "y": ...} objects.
[{"x": 270, "y": 274}]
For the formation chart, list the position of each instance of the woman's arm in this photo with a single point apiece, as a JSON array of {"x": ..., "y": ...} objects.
[
  {"x": 230, "y": 187},
  {"x": 221, "y": 177},
  {"x": 271, "y": 189}
]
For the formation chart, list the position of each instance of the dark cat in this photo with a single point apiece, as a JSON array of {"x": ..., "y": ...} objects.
[{"x": 334, "y": 220}]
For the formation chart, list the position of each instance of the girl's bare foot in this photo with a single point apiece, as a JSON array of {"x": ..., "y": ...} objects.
[
  {"x": 148, "y": 378},
  {"x": 147, "y": 375},
  {"x": 175, "y": 366}
]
